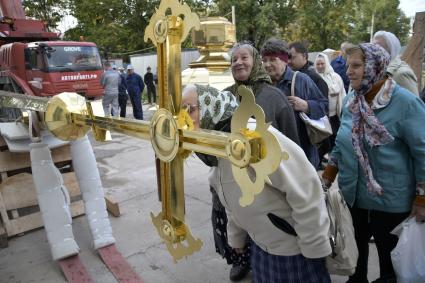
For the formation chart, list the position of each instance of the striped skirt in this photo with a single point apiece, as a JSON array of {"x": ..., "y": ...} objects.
[{"x": 268, "y": 268}]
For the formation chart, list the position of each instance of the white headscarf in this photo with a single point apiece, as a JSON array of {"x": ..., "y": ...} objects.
[
  {"x": 335, "y": 85},
  {"x": 327, "y": 74},
  {"x": 392, "y": 41}
]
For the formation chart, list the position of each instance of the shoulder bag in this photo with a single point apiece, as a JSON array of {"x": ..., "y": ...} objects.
[{"x": 317, "y": 130}]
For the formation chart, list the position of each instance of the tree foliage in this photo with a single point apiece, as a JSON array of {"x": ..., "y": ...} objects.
[
  {"x": 257, "y": 20},
  {"x": 100, "y": 21},
  {"x": 323, "y": 24},
  {"x": 327, "y": 23},
  {"x": 387, "y": 17},
  {"x": 50, "y": 11},
  {"x": 118, "y": 26}
]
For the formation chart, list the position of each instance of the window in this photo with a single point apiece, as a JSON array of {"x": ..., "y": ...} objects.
[{"x": 73, "y": 58}]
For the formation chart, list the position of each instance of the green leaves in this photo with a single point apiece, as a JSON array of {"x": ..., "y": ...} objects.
[
  {"x": 119, "y": 25},
  {"x": 50, "y": 11}
]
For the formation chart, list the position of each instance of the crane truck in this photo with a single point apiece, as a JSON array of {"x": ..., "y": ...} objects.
[{"x": 34, "y": 61}]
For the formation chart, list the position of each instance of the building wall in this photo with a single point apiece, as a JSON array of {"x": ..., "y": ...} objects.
[
  {"x": 117, "y": 62},
  {"x": 141, "y": 61}
]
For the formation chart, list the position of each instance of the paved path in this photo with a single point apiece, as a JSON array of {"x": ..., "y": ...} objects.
[{"x": 128, "y": 174}]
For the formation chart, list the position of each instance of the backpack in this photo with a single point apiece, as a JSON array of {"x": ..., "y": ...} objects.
[{"x": 343, "y": 259}]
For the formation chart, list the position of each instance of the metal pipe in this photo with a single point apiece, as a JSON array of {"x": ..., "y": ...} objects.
[
  {"x": 208, "y": 142},
  {"x": 135, "y": 128}
]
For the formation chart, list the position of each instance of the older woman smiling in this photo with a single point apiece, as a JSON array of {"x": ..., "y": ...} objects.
[
  {"x": 287, "y": 221},
  {"x": 247, "y": 69},
  {"x": 380, "y": 155}
]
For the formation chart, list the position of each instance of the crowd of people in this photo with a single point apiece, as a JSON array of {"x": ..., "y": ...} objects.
[
  {"x": 377, "y": 151},
  {"x": 119, "y": 86}
]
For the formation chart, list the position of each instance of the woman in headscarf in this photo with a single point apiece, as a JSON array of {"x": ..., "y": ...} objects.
[
  {"x": 216, "y": 111},
  {"x": 380, "y": 156},
  {"x": 336, "y": 93},
  {"x": 399, "y": 70},
  {"x": 287, "y": 221},
  {"x": 303, "y": 94},
  {"x": 247, "y": 69}
]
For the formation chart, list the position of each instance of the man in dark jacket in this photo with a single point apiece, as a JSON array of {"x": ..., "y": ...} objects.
[
  {"x": 150, "y": 85},
  {"x": 135, "y": 88},
  {"x": 299, "y": 62},
  {"x": 340, "y": 67},
  {"x": 307, "y": 97},
  {"x": 122, "y": 93}
]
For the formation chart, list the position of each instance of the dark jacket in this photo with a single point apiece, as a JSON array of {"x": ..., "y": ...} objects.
[
  {"x": 309, "y": 70},
  {"x": 317, "y": 105},
  {"x": 135, "y": 84},
  {"x": 122, "y": 87},
  {"x": 277, "y": 110},
  {"x": 339, "y": 66},
  {"x": 148, "y": 79}
]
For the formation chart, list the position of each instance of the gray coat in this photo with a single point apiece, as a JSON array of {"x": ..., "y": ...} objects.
[
  {"x": 403, "y": 75},
  {"x": 110, "y": 80}
]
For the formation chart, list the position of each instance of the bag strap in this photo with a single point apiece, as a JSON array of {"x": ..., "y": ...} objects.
[{"x": 293, "y": 83}]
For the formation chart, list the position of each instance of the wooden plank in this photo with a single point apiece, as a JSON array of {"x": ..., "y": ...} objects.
[
  {"x": 118, "y": 265},
  {"x": 112, "y": 206},
  {"x": 3, "y": 237},
  {"x": 3, "y": 144},
  {"x": 12, "y": 161},
  {"x": 4, "y": 217},
  {"x": 413, "y": 54},
  {"x": 19, "y": 191},
  {"x": 74, "y": 270},
  {"x": 34, "y": 220},
  {"x": 15, "y": 214}
]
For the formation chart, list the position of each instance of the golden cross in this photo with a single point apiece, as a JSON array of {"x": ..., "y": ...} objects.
[{"x": 68, "y": 116}]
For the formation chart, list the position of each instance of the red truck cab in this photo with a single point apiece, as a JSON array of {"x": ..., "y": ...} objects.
[
  {"x": 33, "y": 61},
  {"x": 51, "y": 67}
]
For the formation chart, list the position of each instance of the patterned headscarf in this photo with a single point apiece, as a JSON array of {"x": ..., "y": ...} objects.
[
  {"x": 365, "y": 124},
  {"x": 214, "y": 106},
  {"x": 258, "y": 73}
]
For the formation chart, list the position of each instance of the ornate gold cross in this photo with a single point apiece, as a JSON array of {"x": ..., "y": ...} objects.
[{"x": 68, "y": 116}]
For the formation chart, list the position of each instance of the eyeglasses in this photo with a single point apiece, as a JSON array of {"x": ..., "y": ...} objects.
[{"x": 189, "y": 108}]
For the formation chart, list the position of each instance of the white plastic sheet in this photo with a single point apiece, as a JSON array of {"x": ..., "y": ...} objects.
[
  {"x": 408, "y": 256},
  {"x": 53, "y": 200},
  {"x": 88, "y": 177}
]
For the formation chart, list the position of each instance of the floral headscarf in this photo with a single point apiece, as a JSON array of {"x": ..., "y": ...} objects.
[
  {"x": 258, "y": 73},
  {"x": 214, "y": 106},
  {"x": 365, "y": 124}
]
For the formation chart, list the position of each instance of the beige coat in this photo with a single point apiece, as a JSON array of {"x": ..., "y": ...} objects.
[
  {"x": 295, "y": 196},
  {"x": 403, "y": 75}
]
